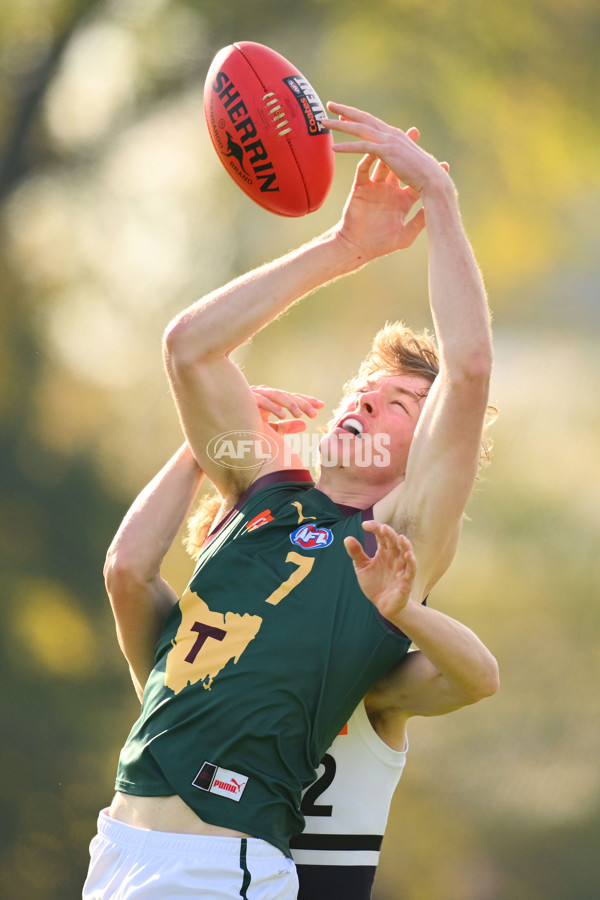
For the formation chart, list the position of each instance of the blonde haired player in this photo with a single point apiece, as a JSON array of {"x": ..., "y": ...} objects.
[{"x": 260, "y": 663}]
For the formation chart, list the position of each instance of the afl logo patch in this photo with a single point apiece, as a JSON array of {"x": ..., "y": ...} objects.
[{"x": 311, "y": 537}]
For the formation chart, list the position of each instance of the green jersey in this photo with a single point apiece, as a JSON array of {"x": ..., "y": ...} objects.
[{"x": 261, "y": 663}]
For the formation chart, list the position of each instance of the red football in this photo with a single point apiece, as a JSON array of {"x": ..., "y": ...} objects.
[{"x": 264, "y": 121}]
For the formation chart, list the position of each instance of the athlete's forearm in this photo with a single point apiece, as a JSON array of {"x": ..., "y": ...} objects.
[
  {"x": 219, "y": 322},
  {"x": 455, "y": 651},
  {"x": 457, "y": 293},
  {"x": 139, "y": 597},
  {"x": 156, "y": 515}
]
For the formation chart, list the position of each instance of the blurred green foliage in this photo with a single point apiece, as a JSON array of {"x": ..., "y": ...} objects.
[{"x": 115, "y": 213}]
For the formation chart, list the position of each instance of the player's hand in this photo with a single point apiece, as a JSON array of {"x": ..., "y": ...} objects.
[
  {"x": 389, "y": 181},
  {"x": 271, "y": 401},
  {"x": 376, "y": 220},
  {"x": 397, "y": 149},
  {"x": 386, "y": 579}
]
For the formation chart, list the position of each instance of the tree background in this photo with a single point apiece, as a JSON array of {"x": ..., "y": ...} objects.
[{"x": 116, "y": 213}]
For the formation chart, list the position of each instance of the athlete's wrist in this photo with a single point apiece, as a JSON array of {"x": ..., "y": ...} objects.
[{"x": 408, "y": 616}]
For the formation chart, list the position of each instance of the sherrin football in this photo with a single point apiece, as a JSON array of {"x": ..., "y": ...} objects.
[{"x": 264, "y": 122}]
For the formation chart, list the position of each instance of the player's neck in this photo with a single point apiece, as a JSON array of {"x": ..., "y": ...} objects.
[{"x": 351, "y": 492}]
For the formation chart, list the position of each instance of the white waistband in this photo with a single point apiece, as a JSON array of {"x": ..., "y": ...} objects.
[{"x": 172, "y": 842}]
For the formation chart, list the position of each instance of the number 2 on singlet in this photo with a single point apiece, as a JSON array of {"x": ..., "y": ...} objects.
[{"x": 309, "y": 806}]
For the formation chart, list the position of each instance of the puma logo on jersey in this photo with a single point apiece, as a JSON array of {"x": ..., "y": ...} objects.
[
  {"x": 301, "y": 516},
  {"x": 220, "y": 781}
]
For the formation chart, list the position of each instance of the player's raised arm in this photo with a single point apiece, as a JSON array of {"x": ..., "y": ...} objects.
[
  {"x": 140, "y": 598},
  {"x": 210, "y": 391},
  {"x": 445, "y": 454},
  {"x": 452, "y": 667},
  {"x": 445, "y": 451}
]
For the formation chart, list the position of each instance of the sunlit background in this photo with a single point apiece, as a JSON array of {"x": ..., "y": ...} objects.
[{"x": 116, "y": 213}]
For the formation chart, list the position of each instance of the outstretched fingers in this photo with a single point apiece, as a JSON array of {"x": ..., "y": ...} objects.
[
  {"x": 355, "y": 551},
  {"x": 279, "y": 403},
  {"x": 351, "y": 114},
  {"x": 363, "y": 169},
  {"x": 395, "y": 546},
  {"x": 382, "y": 172},
  {"x": 368, "y": 129},
  {"x": 414, "y": 226},
  {"x": 365, "y": 173},
  {"x": 410, "y": 563},
  {"x": 272, "y": 401}
]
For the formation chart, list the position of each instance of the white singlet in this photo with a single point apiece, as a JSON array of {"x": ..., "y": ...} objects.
[{"x": 347, "y": 807}]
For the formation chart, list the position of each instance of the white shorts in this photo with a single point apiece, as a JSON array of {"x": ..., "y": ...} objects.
[{"x": 130, "y": 863}]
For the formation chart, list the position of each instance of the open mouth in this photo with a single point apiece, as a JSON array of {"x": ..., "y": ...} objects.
[{"x": 353, "y": 426}]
